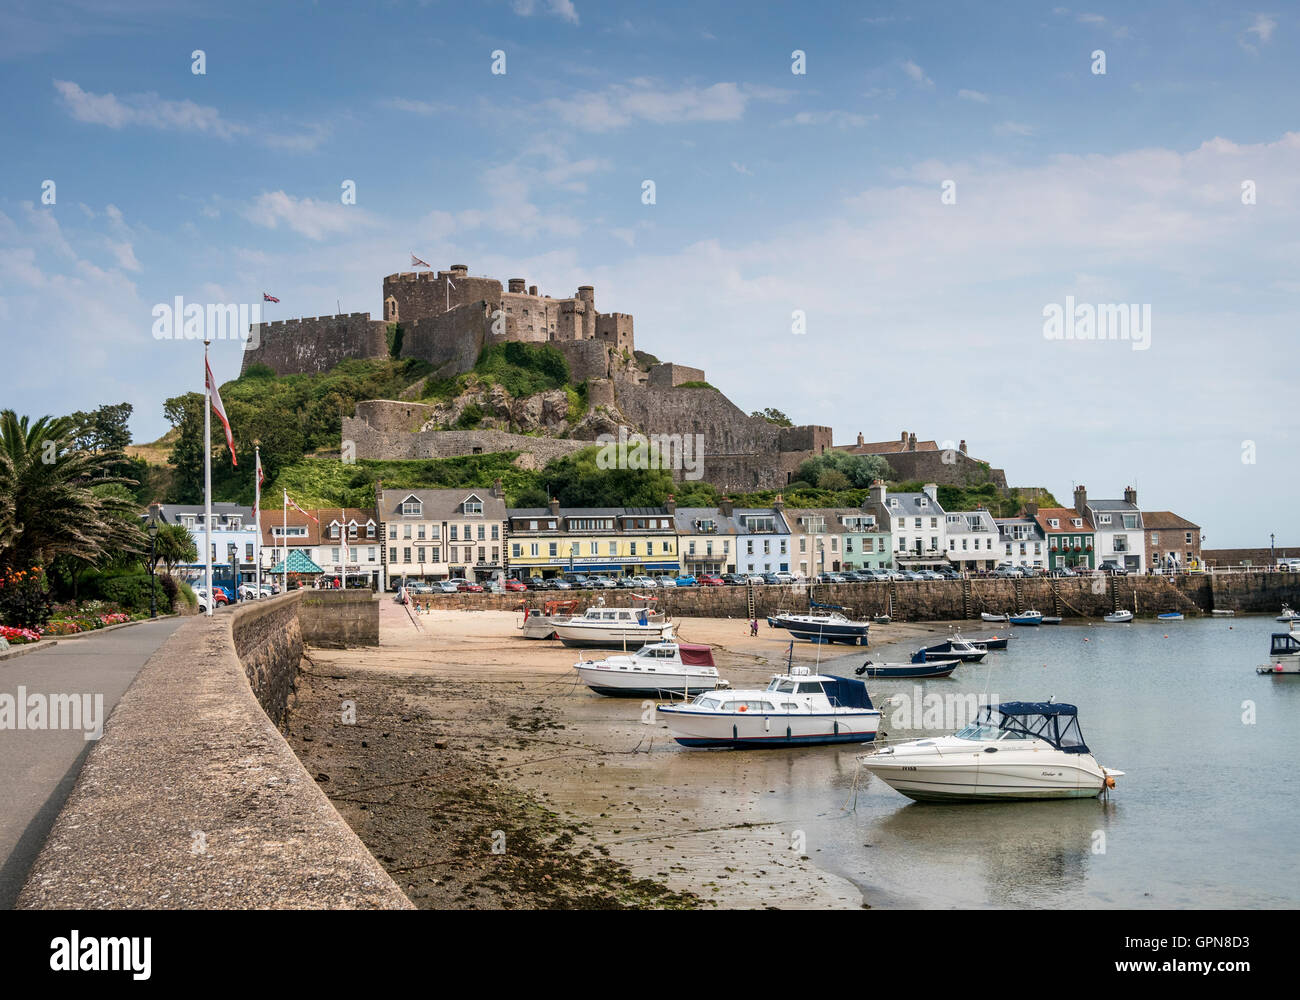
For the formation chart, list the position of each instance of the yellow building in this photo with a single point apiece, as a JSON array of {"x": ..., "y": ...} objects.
[{"x": 606, "y": 541}]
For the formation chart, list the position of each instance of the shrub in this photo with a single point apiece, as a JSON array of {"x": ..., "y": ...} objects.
[
  {"x": 25, "y": 599},
  {"x": 188, "y": 596}
]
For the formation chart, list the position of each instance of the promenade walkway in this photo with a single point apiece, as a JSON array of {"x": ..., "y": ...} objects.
[{"x": 39, "y": 767}]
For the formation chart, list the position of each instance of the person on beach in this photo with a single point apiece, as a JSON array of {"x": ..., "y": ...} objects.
[{"x": 753, "y": 627}]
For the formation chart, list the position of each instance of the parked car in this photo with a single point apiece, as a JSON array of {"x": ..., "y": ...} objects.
[
  {"x": 1113, "y": 568},
  {"x": 576, "y": 580},
  {"x": 418, "y": 587},
  {"x": 465, "y": 587},
  {"x": 441, "y": 587},
  {"x": 602, "y": 582},
  {"x": 559, "y": 583},
  {"x": 734, "y": 579},
  {"x": 1064, "y": 571},
  {"x": 685, "y": 580},
  {"x": 535, "y": 583},
  {"x": 629, "y": 582},
  {"x": 710, "y": 580},
  {"x": 249, "y": 591},
  {"x": 515, "y": 586}
]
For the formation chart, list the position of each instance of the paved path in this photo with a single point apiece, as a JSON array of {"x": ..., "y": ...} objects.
[{"x": 39, "y": 767}]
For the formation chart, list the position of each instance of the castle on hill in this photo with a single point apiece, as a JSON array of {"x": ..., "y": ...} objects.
[{"x": 448, "y": 317}]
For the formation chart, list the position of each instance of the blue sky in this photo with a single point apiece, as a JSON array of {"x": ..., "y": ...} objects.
[{"x": 775, "y": 192}]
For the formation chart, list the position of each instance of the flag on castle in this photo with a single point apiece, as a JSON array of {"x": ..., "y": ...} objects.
[
  {"x": 266, "y": 297},
  {"x": 416, "y": 262},
  {"x": 220, "y": 411}
]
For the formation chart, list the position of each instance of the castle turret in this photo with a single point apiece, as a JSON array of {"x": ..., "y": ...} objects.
[{"x": 517, "y": 285}]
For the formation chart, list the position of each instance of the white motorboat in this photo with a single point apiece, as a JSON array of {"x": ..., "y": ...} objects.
[
  {"x": 987, "y": 617},
  {"x": 1122, "y": 616},
  {"x": 1283, "y": 654},
  {"x": 1223, "y": 613},
  {"x": 798, "y": 708},
  {"x": 1027, "y": 618},
  {"x": 822, "y": 627},
  {"x": 1288, "y": 614},
  {"x": 1016, "y": 750},
  {"x": 614, "y": 628},
  {"x": 656, "y": 670}
]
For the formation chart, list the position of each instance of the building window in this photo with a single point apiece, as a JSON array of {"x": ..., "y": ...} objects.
[
  {"x": 419, "y": 553},
  {"x": 554, "y": 550},
  {"x": 437, "y": 553},
  {"x": 516, "y": 550},
  {"x": 406, "y": 554},
  {"x": 411, "y": 508},
  {"x": 495, "y": 529},
  {"x": 392, "y": 555}
]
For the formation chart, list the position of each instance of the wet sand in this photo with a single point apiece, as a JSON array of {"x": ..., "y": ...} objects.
[{"x": 481, "y": 773}]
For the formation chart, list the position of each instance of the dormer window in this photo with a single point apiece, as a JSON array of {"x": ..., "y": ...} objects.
[
  {"x": 370, "y": 529},
  {"x": 1077, "y": 522},
  {"x": 922, "y": 502},
  {"x": 1054, "y": 522},
  {"x": 893, "y": 501},
  {"x": 472, "y": 507},
  {"x": 412, "y": 507}
]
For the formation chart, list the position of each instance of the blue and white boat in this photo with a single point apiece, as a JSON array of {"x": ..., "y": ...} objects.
[
  {"x": 908, "y": 671},
  {"x": 1027, "y": 618},
  {"x": 1170, "y": 616},
  {"x": 798, "y": 708},
  {"x": 825, "y": 627},
  {"x": 957, "y": 649}
]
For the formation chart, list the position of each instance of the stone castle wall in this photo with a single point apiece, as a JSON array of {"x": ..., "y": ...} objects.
[
  {"x": 315, "y": 344},
  {"x": 930, "y": 467},
  {"x": 450, "y": 341},
  {"x": 400, "y": 444},
  {"x": 669, "y": 376}
]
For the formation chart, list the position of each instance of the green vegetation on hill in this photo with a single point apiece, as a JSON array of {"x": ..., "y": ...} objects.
[
  {"x": 520, "y": 369},
  {"x": 985, "y": 495},
  {"x": 696, "y": 384}
]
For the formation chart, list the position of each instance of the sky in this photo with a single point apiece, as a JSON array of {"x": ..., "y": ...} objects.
[{"x": 937, "y": 179}]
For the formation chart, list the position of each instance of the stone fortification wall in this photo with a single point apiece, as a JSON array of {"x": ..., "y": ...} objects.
[{"x": 316, "y": 344}]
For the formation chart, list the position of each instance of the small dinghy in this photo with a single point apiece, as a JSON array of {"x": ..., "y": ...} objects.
[
  {"x": 908, "y": 671},
  {"x": 1223, "y": 613},
  {"x": 1170, "y": 616},
  {"x": 988, "y": 642},
  {"x": 1051, "y": 620},
  {"x": 1288, "y": 614},
  {"x": 881, "y": 620},
  {"x": 1121, "y": 617},
  {"x": 986, "y": 617}
]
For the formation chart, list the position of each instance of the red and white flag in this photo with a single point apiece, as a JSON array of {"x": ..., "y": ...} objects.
[
  {"x": 269, "y": 298},
  {"x": 416, "y": 262},
  {"x": 220, "y": 411},
  {"x": 261, "y": 475},
  {"x": 289, "y": 501}
]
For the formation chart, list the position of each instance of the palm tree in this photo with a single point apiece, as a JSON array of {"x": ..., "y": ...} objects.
[{"x": 51, "y": 498}]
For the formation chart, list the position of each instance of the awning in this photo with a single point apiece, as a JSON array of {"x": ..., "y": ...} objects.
[{"x": 298, "y": 563}]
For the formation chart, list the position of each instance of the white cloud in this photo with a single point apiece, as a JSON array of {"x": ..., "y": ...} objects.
[
  {"x": 148, "y": 110},
  {"x": 740, "y": 168},
  {"x": 305, "y": 216},
  {"x": 973, "y": 95},
  {"x": 1262, "y": 28},
  {"x": 563, "y": 9},
  {"x": 1013, "y": 128},
  {"x": 842, "y": 119},
  {"x": 618, "y": 106},
  {"x": 917, "y": 75}
]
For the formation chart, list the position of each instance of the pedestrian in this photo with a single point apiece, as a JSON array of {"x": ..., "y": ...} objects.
[{"x": 753, "y": 627}]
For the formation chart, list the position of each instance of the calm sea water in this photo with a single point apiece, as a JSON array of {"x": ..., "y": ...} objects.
[{"x": 1207, "y": 815}]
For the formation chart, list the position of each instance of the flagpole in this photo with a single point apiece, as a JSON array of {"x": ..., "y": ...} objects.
[
  {"x": 257, "y": 520},
  {"x": 286, "y": 541},
  {"x": 207, "y": 479}
]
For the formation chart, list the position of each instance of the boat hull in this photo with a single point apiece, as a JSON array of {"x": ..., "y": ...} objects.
[
  {"x": 752, "y": 730},
  {"x": 614, "y": 683},
  {"x": 979, "y": 779},
  {"x": 851, "y": 640},
  {"x": 853, "y": 633},
  {"x": 618, "y": 637},
  {"x": 906, "y": 671}
]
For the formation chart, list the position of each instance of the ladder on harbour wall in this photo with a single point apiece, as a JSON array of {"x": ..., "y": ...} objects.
[
  {"x": 749, "y": 600},
  {"x": 893, "y": 597},
  {"x": 966, "y": 599},
  {"x": 1020, "y": 594},
  {"x": 1114, "y": 594},
  {"x": 1056, "y": 596}
]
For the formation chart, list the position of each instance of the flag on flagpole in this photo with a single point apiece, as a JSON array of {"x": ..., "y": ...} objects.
[
  {"x": 261, "y": 476},
  {"x": 220, "y": 411},
  {"x": 289, "y": 501},
  {"x": 416, "y": 262},
  {"x": 269, "y": 298}
]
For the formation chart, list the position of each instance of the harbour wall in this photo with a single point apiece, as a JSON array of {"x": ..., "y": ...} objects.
[
  {"x": 193, "y": 799},
  {"x": 946, "y": 600}
]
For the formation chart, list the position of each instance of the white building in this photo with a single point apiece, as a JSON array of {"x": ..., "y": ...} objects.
[
  {"x": 1023, "y": 542},
  {"x": 762, "y": 539},
  {"x": 919, "y": 526},
  {"x": 972, "y": 539},
  {"x": 1117, "y": 525}
]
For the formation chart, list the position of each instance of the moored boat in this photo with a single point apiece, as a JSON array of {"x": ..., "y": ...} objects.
[
  {"x": 987, "y": 617},
  {"x": 1223, "y": 613},
  {"x": 1288, "y": 614},
  {"x": 1013, "y": 751},
  {"x": 614, "y": 628},
  {"x": 1170, "y": 616},
  {"x": 957, "y": 649},
  {"x": 1283, "y": 654},
  {"x": 828, "y": 627},
  {"x": 1027, "y": 618},
  {"x": 1051, "y": 620},
  {"x": 909, "y": 671},
  {"x": 656, "y": 670},
  {"x": 987, "y": 642},
  {"x": 798, "y": 708},
  {"x": 1120, "y": 617}
]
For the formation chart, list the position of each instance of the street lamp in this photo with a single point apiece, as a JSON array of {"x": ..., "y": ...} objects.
[{"x": 152, "y": 528}]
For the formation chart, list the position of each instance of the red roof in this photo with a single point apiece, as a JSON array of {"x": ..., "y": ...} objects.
[{"x": 1065, "y": 515}]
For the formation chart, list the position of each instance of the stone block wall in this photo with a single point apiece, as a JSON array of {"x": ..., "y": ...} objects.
[
  {"x": 339, "y": 618},
  {"x": 416, "y": 295},
  {"x": 316, "y": 344},
  {"x": 668, "y": 376},
  {"x": 450, "y": 341},
  {"x": 930, "y": 467}
]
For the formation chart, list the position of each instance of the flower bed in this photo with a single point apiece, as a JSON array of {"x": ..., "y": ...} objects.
[
  {"x": 18, "y": 636},
  {"x": 69, "y": 620}
]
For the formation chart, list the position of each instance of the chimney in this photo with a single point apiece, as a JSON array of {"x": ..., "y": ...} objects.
[
  {"x": 516, "y": 285},
  {"x": 1031, "y": 510},
  {"x": 671, "y": 505},
  {"x": 1081, "y": 499},
  {"x": 724, "y": 505},
  {"x": 532, "y": 289},
  {"x": 962, "y": 447},
  {"x": 460, "y": 270},
  {"x": 877, "y": 492},
  {"x": 932, "y": 491},
  {"x": 902, "y": 439},
  {"x": 498, "y": 490},
  {"x": 555, "y": 506},
  {"x": 911, "y": 442},
  {"x": 1130, "y": 495},
  {"x": 861, "y": 440},
  {"x": 778, "y": 504}
]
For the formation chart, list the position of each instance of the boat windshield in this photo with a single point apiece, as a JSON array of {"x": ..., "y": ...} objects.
[
  {"x": 785, "y": 687},
  {"x": 709, "y": 702},
  {"x": 975, "y": 731}
]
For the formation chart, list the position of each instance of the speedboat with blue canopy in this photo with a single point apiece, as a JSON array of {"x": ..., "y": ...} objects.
[{"x": 1013, "y": 751}]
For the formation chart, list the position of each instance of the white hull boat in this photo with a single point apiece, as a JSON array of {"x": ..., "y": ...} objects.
[
  {"x": 1223, "y": 613},
  {"x": 657, "y": 670},
  {"x": 986, "y": 617},
  {"x": 1283, "y": 654},
  {"x": 796, "y": 709},
  {"x": 1119, "y": 617},
  {"x": 1014, "y": 751},
  {"x": 614, "y": 628},
  {"x": 1288, "y": 615}
]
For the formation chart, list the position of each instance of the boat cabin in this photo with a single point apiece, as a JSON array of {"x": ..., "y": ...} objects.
[
  {"x": 1285, "y": 644},
  {"x": 637, "y": 615},
  {"x": 1052, "y": 723},
  {"x": 689, "y": 653}
]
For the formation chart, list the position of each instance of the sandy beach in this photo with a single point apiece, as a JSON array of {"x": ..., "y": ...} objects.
[{"x": 481, "y": 773}]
